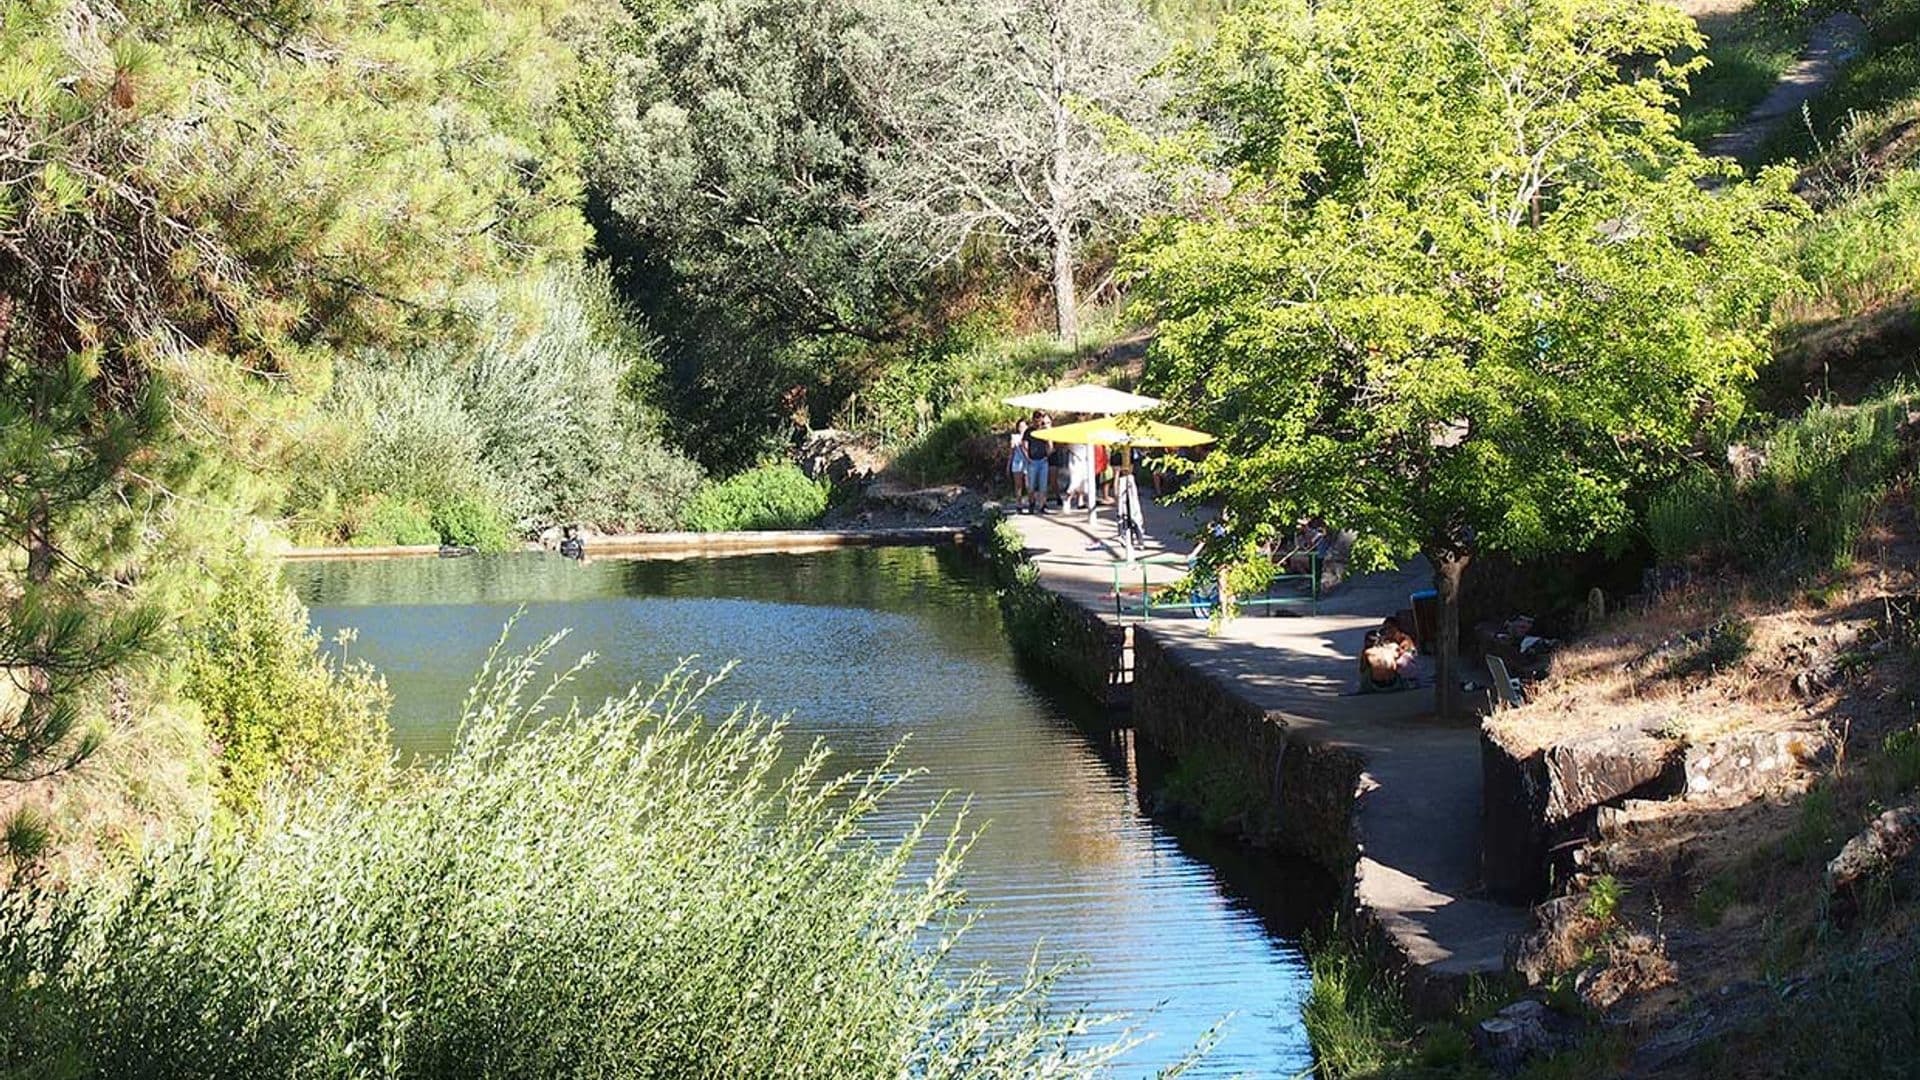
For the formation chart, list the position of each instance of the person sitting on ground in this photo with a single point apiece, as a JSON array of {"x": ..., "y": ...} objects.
[
  {"x": 1392, "y": 632},
  {"x": 1381, "y": 664}
]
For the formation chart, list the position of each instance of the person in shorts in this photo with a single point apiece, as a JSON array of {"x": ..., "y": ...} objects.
[
  {"x": 1037, "y": 468},
  {"x": 1017, "y": 464}
]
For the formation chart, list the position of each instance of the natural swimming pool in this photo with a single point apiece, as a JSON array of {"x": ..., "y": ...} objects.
[{"x": 863, "y": 648}]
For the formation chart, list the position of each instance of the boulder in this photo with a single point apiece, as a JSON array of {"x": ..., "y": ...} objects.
[
  {"x": 1886, "y": 844},
  {"x": 1535, "y": 799},
  {"x": 1522, "y": 1031},
  {"x": 1752, "y": 762},
  {"x": 841, "y": 458},
  {"x": 1587, "y": 770},
  {"x": 1734, "y": 1007}
]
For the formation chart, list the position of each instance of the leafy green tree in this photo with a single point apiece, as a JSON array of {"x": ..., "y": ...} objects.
[
  {"x": 736, "y": 172},
  {"x": 1466, "y": 290}
]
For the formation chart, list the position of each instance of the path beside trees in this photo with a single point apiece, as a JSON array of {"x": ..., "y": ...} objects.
[
  {"x": 1832, "y": 43},
  {"x": 1418, "y": 815}
]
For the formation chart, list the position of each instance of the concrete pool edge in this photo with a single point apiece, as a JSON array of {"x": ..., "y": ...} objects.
[{"x": 681, "y": 544}]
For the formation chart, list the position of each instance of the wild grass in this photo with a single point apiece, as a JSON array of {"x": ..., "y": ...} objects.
[
  {"x": 1818, "y": 478},
  {"x": 619, "y": 891},
  {"x": 1861, "y": 255}
]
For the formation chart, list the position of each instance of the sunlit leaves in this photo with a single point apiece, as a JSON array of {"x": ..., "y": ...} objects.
[{"x": 1467, "y": 289}]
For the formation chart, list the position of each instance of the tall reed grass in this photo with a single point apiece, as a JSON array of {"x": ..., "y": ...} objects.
[{"x": 622, "y": 891}]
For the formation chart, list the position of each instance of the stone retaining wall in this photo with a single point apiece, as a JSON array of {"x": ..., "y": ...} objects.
[{"x": 1304, "y": 792}]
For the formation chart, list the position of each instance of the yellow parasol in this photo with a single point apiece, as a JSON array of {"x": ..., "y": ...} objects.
[{"x": 1124, "y": 431}]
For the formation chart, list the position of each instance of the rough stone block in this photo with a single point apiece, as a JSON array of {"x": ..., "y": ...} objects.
[
  {"x": 1750, "y": 762},
  {"x": 1533, "y": 799},
  {"x": 1583, "y": 772}
]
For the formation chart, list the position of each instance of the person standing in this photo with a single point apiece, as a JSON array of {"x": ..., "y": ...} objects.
[
  {"x": 1080, "y": 477},
  {"x": 1017, "y": 463},
  {"x": 1126, "y": 510},
  {"x": 1058, "y": 463},
  {"x": 1037, "y": 451}
]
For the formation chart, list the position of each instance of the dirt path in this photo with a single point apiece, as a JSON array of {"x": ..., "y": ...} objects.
[{"x": 1833, "y": 42}]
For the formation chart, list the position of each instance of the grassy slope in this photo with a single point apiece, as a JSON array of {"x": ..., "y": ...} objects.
[
  {"x": 1739, "y": 887},
  {"x": 1872, "y": 96}
]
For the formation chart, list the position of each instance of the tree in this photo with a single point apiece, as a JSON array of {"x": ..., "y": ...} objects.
[
  {"x": 199, "y": 206},
  {"x": 60, "y": 630},
  {"x": 995, "y": 113},
  {"x": 1467, "y": 291},
  {"x": 737, "y": 173}
]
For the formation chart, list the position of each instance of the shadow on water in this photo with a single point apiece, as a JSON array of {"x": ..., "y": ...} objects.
[{"x": 1293, "y": 897}]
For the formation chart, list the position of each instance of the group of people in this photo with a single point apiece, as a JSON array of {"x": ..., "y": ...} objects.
[{"x": 1075, "y": 475}]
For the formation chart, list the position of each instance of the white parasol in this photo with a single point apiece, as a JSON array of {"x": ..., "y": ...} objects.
[{"x": 1085, "y": 398}]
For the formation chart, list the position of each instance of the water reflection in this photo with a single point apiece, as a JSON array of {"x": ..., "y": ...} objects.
[{"x": 862, "y": 648}]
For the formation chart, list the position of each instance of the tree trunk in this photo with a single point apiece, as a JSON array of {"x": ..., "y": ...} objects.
[
  {"x": 1065, "y": 300},
  {"x": 1447, "y": 571}
]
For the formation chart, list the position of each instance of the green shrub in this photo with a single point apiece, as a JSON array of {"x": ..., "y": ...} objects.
[
  {"x": 273, "y": 701},
  {"x": 386, "y": 522},
  {"x": 622, "y": 893},
  {"x": 775, "y": 496},
  {"x": 468, "y": 522},
  {"x": 941, "y": 455},
  {"x": 1819, "y": 479},
  {"x": 545, "y": 418}
]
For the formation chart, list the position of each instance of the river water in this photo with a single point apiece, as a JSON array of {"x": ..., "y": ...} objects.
[{"x": 865, "y": 648}]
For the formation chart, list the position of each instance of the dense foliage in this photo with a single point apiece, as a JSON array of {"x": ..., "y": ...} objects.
[
  {"x": 626, "y": 892},
  {"x": 273, "y": 702},
  {"x": 797, "y": 196},
  {"x": 775, "y": 496},
  {"x": 1421, "y": 311},
  {"x": 542, "y": 419}
]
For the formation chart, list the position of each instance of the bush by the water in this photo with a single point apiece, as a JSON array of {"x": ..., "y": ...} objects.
[
  {"x": 627, "y": 892},
  {"x": 1812, "y": 486},
  {"x": 544, "y": 419},
  {"x": 274, "y": 703},
  {"x": 385, "y": 521},
  {"x": 470, "y": 522},
  {"x": 775, "y": 496}
]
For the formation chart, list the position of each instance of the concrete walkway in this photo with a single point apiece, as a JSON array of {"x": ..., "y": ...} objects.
[{"x": 1419, "y": 818}]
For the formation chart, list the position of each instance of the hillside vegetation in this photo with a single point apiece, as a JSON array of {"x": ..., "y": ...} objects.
[{"x": 1453, "y": 274}]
